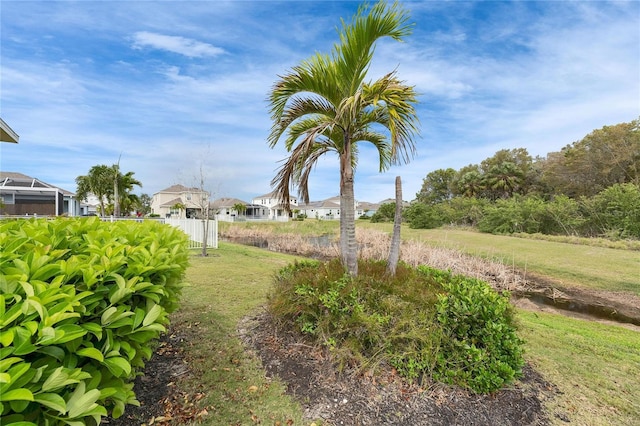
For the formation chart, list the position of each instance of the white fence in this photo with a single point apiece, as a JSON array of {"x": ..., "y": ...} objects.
[{"x": 194, "y": 228}]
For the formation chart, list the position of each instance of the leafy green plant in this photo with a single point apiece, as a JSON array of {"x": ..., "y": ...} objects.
[
  {"x": 423, "y": 322},
  {"x": 480, "y": 348},
  {"x": 80, "y": 302}
]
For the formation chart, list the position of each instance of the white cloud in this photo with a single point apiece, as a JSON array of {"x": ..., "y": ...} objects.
[
  {"x": 537, "y": 75},
  {"x": 176, "y": 44}
]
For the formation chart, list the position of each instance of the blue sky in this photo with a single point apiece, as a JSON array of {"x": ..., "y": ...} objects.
[{"x": 175, "y": 87}]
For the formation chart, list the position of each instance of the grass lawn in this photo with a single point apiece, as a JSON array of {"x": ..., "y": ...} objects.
[
  {"x": 222, "y": 288},
  {"x": 596, "y": 367}
]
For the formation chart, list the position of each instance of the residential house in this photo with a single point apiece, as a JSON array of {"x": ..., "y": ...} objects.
[
  {"x": 367, "y": 209},
  {"x": 168, "y": 202},
  {"x": 328, "y": 209},
  {"x": 224, "y": 209},
  {"x": 273, "y": 206},
  {"x": 22, "y": 195},
  {"x": 90, "y": 206}
]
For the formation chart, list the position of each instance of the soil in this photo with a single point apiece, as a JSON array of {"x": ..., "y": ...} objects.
[
  {"x": 345, "y": 398},
  {"x": 350, "y": 398}
]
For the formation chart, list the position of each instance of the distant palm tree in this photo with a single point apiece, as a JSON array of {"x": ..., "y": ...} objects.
[
  {"x": 504, "y": 179},
  {"x": 179, "y": 206},
  {"x": 470, "y": 184},
  {"x": 96, "y": 182},
  {"x": 108, "y": 183},
  {"x": 240, "y": 208},
  {"x": 324, "y": 105},
  {"x": 126, "y": 199}
]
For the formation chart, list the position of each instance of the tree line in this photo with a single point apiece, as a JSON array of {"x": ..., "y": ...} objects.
[{"x": 588, "y": 188}]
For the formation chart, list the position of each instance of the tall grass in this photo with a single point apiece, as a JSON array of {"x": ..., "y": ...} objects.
[{"x": 504, "y": 261}]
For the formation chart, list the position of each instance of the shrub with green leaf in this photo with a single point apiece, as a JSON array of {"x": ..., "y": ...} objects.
[
  {"x": 81, "y": 302},
  {"x": 422, "y": 322},
  {"x": 480, "y": 349}
]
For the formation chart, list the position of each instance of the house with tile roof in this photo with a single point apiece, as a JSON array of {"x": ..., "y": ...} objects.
[
  {"x": 224, "y": 209},
  {"x": 180, "y": 202}
]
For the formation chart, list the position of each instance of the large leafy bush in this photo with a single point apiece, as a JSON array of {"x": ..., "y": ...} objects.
[
  {"x": 422, "y": 322},
  {"x": 480, "y": 348},
  {"x": 80, "y": 303}
]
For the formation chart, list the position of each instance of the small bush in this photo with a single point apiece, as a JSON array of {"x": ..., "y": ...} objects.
[
  {"x": 422, "y": 322},
  {"x": 480, "y": 348}
]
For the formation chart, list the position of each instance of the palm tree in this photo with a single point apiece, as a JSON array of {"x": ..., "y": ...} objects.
[
  {"x": 179, "y": 206},
  {"x": 325, "y": 106},
  {"x": 470, "y": 184},
  {"x": 504, "y": 179},
  {"x": 125, "y": 183},
  {"x": 96, "y": 182},
  {"x": 240, "y": 208},
  {"x": 108, "y": 183}
]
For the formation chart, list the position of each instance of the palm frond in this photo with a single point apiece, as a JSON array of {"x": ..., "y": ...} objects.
[
  {"x": 315, "y": 76},
  {"x": 397, "y": 100},
  {"x": 357, "y": 39},
  {"x": 296, "y": 168}
]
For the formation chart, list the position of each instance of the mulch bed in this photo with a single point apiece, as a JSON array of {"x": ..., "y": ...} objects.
[{"x": 345, "y": 398}]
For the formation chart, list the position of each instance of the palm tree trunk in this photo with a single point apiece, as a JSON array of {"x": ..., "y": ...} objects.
[
  {"x": 394, "y": 250},
  {"x": 348, "y": 243},
  {"x": 116, "y": 195}
]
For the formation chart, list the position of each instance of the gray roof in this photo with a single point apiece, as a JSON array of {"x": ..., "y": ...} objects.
[
  {"x": 225, "y": 202},
  {"x": 179, "y": 189},
  {"x": 19, "y": 180}
]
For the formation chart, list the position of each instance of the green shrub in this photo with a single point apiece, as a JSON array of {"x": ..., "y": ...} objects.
[
  {"x": 614, "y": 212},
  {"x": 480, "y": 348},
  {"x": 80, "y": 303},
  {"x": 422, "y": 322},
  {"x": 385, "y": 213},
  {"x": 423, "y": 216}
]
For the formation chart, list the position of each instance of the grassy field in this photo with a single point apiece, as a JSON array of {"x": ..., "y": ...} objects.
[
  {"x": 570, "y": 265},
  {"x": 595, "y": 367}
]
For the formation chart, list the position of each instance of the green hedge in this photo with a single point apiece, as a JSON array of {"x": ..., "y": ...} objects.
[{"x": 81, "y": 302}]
